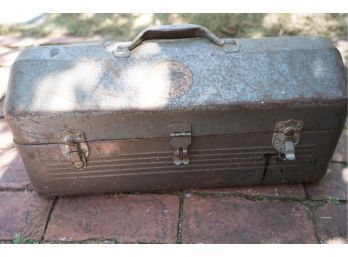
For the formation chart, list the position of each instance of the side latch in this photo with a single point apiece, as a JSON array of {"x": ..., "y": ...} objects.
[
  {"x": 180, "y": 139},
  {"x": 286, "y": 137},
  {"x": 74, "y": 147}
]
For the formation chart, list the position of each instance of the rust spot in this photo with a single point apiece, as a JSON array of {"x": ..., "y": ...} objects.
[{"x": 180, "y": 77}]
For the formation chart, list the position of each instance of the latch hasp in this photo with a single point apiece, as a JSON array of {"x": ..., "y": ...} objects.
[
  {"x": 180, "y": 139},
  {"x": 74, "y": 147},
  {"x": 287, "y": 135}
]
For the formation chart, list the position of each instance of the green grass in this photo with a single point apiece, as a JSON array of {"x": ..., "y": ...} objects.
[
  {"x": 334, "y": 201},
  {"x": 125, "y": 26},
  {"x": 6, "y": 29},
  {"x": 23, "y": 240}
]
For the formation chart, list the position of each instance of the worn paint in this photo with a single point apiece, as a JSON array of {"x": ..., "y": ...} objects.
[
  {"x": 54, "y": 92},
  {"x": 88, "y": 77},
  {"x": 232, "y": 97}
]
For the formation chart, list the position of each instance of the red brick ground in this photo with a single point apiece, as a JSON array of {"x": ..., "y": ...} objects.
[
  {"x": 331, "y": 222},
  {"x": 144, "y": 218},
  {"x": 24, "y": 214},
  {"x": 211, "y": 219},
  {"x": 315, "y": 213}
]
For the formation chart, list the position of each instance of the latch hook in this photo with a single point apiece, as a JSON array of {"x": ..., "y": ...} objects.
[
  {"x": 286, "y": 137},
  {"x": 74, "y": 147},
  {"x": 180, "y": 139}
]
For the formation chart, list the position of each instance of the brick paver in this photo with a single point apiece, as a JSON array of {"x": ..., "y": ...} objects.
[
  {"x": 23, "y": 214},
  {"x": 144, "y": 218},
  {"x": 340, "y": 154},
  {"x": 332, "y": 185},
  {"x": 286, "y": 191},
  {"x": 6, "y": 140},
  {"x": 12, "y": 172},
  {"x": 236, "y": 220},
  {"x": 331, "y": 221}
]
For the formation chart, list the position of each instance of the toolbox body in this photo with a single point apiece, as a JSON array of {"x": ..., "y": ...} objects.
[{"x": 176, "y": 108}]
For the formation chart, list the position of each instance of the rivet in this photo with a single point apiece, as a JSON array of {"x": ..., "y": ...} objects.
[{"x": 78, "y": 165}]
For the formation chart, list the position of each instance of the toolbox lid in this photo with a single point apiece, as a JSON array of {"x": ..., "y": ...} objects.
[{"x": 105, "y": 88}]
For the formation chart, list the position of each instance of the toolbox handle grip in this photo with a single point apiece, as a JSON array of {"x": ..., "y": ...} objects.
[{"x": 174, "y": 32}]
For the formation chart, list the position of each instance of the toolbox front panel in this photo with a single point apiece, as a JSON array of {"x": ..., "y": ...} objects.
[{"x": 147, "y": 164}]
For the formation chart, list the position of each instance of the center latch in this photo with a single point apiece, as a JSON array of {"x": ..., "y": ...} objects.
[
  {"x": 74, "y": 147},
  {"x": 287, "y": 135},
  {"x": 180, "y": 139}
]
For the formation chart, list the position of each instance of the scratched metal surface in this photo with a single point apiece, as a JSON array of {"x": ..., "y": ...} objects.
[
  {"x": 69, "y": 85},
  {"x": 88, "y": 77}
]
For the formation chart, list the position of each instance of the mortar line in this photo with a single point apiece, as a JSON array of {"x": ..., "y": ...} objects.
[
  {"x": 306, "y": 191},
  {"x": 260, "y": 197},
  {"x": 180, "y": 218},
  {"x": 48, "y": 218},
  {"x": 256, "y": 197},
  {"x": 310, "y": 213},
  {"x": 98, "y": 240},
  {"x": 175, "y": 193}
]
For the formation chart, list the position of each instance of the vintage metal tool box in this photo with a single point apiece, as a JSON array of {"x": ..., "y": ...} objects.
[{"x": 177, "y": 107}]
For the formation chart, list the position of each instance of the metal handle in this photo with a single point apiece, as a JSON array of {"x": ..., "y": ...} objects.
[
  {"x": 174, "y": 32},
  {"x": 168, "y": 32}
]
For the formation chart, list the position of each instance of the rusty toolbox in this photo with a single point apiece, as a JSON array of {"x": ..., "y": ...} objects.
[{"x": 176, "y": 107}]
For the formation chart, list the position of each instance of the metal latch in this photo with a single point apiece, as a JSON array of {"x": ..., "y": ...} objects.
[
  {"x": 286, "y": 137},
  {"x": 180, "y": 139},
  {"x": 74, "y": 147}
]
